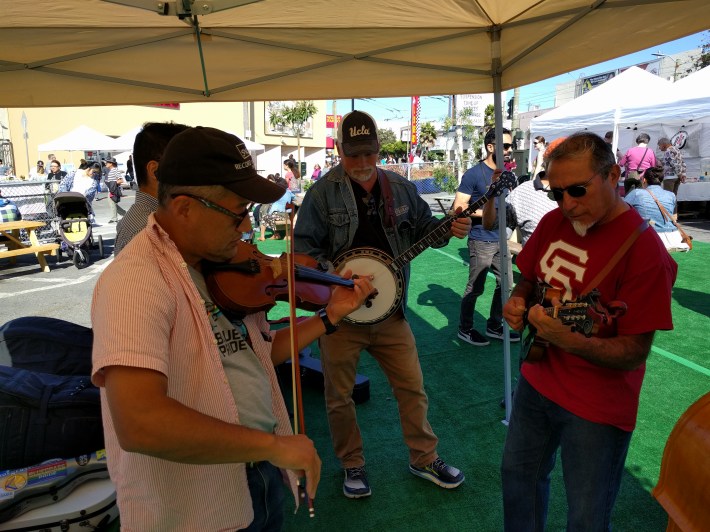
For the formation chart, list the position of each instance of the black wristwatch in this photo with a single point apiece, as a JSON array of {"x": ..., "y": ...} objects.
[{"x": 329, "y": 327}]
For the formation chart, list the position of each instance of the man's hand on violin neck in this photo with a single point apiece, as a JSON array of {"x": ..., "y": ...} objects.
[{"x": 298, "y": 454}]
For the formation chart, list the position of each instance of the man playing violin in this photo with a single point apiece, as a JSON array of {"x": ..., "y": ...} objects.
[
  {"x": 582, "y": 396},
  {"x": 196, "y": 428},
  {"x": 357, "y": 205}
]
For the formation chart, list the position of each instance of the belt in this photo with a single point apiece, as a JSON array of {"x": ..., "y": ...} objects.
[{"x": 252, "y": 465}]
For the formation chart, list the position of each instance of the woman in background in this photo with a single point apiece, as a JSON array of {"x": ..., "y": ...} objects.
[{"x": 540, "y": 146}]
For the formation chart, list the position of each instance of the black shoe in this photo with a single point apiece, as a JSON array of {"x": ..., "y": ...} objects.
[
  {"x": 355, "y": 485},
  {"x": 498, "y": 333},
  {"x": 439, "y": 473},
  {"x": 473, "y": 337},
  {"x": 112, "y": 221}
]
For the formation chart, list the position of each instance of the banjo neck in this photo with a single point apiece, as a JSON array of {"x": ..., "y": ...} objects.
[{"x": 441, "y": 230}]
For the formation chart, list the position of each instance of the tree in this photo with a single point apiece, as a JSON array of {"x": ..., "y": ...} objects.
[
  {"x": 489, "y": 117},
  {"x": 427, "y": 137},
  {"x": 293, "y": 117},
  {"x": 703, "y": 58},
  {"x": 386, "y": 136}
]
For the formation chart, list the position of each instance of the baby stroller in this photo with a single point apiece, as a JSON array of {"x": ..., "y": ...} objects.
[{"x": 75, "y": 227}]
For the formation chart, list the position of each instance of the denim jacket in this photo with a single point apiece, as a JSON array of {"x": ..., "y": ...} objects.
[{"x": 327, "y": 219}]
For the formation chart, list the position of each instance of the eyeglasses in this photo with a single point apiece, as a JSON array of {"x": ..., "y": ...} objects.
[
  {"x": 506, "y": 146},
  {"x": 237, "y": 217},
  {"x": 575, "y": 191}
]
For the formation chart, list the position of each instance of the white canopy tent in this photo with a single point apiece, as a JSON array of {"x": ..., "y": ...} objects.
[
  {"x": 681, "y": 114},
  {"x": 80, "y": 139},
  {"x": 315, "y": 49},
  {"x": 598, "y": 110},
  {"x": 125, "y": 141}
]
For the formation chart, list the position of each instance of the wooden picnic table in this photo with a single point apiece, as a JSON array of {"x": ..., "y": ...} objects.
[{"x": 15, "y": 246}]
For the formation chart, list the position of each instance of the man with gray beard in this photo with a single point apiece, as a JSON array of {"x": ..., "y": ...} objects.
[
  {"x": 582, "y": 393},
  {"x": 357, "y": 205}
]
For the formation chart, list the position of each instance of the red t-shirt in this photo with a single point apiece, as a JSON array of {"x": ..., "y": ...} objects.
[{"x": 642, "y": 279}]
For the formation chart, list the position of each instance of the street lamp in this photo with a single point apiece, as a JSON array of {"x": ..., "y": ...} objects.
[{"x": 676, "y": 62}]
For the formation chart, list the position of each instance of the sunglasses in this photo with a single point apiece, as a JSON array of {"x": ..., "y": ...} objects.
[
  {"x": 575, "y": 191},
  {"x": 237, "y": 217},
  {"x": 506, "y": 146}
]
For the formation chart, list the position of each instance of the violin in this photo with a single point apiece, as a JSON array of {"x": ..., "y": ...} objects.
[{"x": 253, "y": 281}]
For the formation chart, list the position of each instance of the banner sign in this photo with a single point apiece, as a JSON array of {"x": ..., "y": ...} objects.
[
  {"x": 594, "y": 81},
  {"x": 332, "y": 121},
  {"x": 477, "y": 103},
  {"x": 416, "y": 127}
]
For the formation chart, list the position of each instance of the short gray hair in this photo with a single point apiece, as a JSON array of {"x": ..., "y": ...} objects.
[{"x": 583, "y": 144}]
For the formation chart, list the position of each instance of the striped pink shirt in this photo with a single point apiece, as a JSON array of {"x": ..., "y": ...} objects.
[{"x": 147, "y": 313}]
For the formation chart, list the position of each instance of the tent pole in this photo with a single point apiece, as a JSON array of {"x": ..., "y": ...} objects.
[
  {"x": 196, "y": 26},
  {"x": 504, "y": 255}
]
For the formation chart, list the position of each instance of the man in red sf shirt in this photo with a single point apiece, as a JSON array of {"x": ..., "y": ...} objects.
[{"x": 582, "y": 396}]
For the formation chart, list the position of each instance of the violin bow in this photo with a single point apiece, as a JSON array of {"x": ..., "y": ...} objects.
[{"x": 299, "y": 426}]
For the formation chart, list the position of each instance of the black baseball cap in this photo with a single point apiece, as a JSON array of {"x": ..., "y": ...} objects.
[
  {"x": 200, "y": 156},
  {"x": 357, "y": 133}
]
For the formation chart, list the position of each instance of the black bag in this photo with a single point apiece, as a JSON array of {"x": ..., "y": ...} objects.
[
  {"x": 47, "y": 345},
  {"x": 115, "y": 191},
  {"x": 47, "y": 416}
]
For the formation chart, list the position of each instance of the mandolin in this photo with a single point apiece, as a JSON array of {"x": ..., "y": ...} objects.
[{"x": 584, "y": 315}]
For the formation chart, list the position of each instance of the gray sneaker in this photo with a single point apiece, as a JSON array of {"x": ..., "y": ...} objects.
[{"x": 355, "y": 484}]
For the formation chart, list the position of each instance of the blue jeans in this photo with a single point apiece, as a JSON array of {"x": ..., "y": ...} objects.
[
  {"x": 592, "y": 455},
  {"x": 484, "y": 256},
  {"x": 266, "y": 486}
]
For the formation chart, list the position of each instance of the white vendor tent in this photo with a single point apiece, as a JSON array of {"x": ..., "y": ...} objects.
[
  {"x": 599, "y": 109},
  {"x": 685, "y": 106},
  {"x": 83, "y": 138},
  {"x": 125, "y": 141}
]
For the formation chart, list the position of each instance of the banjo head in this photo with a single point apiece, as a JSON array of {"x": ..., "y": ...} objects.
[{"x": 389, "y": 284}]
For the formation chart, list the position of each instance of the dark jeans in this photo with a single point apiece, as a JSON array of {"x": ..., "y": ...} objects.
[
  {"x": 592, "y": 456},
  {"x": 484, "y": 256},
  {"x": 266, "y": 486}
]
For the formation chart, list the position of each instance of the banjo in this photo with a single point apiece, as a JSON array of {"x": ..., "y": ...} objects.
[{"x": 388, "y": 272}]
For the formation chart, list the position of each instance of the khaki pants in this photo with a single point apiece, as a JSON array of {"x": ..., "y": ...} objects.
[
  {"x": 671, "y": 184},
  {"x": 391, "y": 343}
]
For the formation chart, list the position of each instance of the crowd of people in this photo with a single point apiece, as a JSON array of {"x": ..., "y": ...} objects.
[{"x": 184, "y": 219}]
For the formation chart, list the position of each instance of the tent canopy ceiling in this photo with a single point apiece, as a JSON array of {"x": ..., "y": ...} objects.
[{"x": 62, "y": 52}]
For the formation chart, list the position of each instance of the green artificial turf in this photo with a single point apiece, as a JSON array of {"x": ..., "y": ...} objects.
[{"x": 465, "y": 386}]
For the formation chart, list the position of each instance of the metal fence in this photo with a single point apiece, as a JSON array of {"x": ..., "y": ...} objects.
[
  {"x": 429, "y": 178},
  {"x": 35, "y": 200}
]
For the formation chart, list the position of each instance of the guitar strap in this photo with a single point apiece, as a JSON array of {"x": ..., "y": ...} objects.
[
  {"x": 616, "y": 257},
  {"x": 386, "y": 190}
]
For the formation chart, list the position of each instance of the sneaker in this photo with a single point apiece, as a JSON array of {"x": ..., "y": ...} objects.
[
  {"x": 498, "y": 333},
  {"x": 440, "y": 474},
  {"x": 355, "y": 484},
  {"x": 473, "y": 337}
]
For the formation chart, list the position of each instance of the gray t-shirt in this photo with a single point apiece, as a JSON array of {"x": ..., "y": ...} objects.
[{"x": 247, "y": 377}]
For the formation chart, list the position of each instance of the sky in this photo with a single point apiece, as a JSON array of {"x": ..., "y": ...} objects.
[{"x": 394, "y": 112}]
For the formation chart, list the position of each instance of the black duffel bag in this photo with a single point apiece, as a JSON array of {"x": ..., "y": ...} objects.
[{"x": 47, "y": 416}]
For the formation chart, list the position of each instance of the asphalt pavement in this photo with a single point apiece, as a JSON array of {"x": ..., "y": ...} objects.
[{"x": 65, "y": 292}]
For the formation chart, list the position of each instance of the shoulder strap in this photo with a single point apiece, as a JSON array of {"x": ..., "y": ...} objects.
[
  {"x": 619, "y": 253},
  {"x": 642, "y": 158},
  {"x": 386, "y": 190},
  {"x": 664, "y": 212}
]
